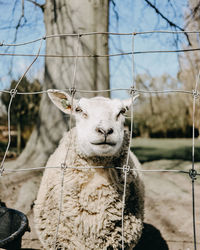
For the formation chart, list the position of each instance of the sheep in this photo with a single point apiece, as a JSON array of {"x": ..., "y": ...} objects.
[{"x": 91, "y": 216}]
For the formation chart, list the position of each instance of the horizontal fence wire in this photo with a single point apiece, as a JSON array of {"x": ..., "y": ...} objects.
[
  {"x": 99, "y": 33},
  {"x": 7, "y": 171},
  {"x": 141, "y": 91},
  {"x": 108, "y": 55},
  {"x": 132, "y": 91},
  {"x": 2, "y": 44}
]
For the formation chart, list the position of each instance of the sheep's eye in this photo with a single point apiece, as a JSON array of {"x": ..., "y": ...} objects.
[
  {"x": 78, "y": 110},
  {"x": 122, "y": 112}
]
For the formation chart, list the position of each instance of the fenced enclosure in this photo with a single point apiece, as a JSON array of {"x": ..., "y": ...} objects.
[{"x": 133, "y": 90}]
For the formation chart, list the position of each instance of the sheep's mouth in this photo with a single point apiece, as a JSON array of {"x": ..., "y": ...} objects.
[{"x": 104, "y": 143}]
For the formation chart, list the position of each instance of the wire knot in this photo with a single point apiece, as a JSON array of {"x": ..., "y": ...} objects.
[
  {"x": 132, "y": 90},
  {"x": 72, "y": 91},
  {"x": 126, "y": 168},
  {"x": 13, "y": 92},
  {"x": 193, "y": 174},
  {"x": 63, "y": 166},
  {"x": 195, "y": 93}
]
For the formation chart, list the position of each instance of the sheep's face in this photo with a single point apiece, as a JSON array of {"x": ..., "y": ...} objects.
[
  {"x": 99, "y": 122},
  {"x": 100, "y": 125}
]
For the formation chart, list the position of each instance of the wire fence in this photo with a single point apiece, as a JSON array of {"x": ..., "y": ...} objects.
[{"x": 132, "y": 91}]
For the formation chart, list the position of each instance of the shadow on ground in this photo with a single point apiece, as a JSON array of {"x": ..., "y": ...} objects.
[
  {"x": 146, "y": 154},
  {"x": 151, "y": 239}
]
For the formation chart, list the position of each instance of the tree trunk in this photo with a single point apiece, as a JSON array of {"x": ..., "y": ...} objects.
[{"x": 61, "y": 17}]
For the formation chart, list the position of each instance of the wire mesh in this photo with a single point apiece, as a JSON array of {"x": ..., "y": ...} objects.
[{"x": 133, "y": 91}]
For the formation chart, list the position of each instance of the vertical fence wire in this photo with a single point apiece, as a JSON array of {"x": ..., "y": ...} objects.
[
  {"x": 126, "y": 168},
  {"x": 193, "y": 171},
  {"x": 13, "y": 93},
  {"x": 193, "y": 177},
  {"x": 63, "y": 165}
]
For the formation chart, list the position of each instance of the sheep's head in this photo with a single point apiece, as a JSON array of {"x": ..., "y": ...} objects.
[{"x": 99, "y": 121}]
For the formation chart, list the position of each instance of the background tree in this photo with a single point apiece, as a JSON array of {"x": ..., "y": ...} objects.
[
  {"x": 190, "y": 62},
  {"x": 24, "y": 110},
  {"x": 92, "y": 74},
  {"x": 161, "y": 115}
]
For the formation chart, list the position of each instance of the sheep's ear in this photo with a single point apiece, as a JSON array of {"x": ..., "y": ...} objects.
[
  {"x": 127, "y": 103},
  {"x": 62, "y": 100}
]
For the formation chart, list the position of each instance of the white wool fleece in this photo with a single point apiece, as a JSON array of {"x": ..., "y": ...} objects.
[{"x": 92, "y": 198}]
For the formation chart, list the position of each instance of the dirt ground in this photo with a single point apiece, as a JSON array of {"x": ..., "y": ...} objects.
[{"x": 168, "y": 204}]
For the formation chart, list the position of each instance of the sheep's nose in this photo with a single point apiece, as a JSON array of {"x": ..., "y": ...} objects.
[
  {"x": 104, "y": 132},
  {"x": 110, "y": 131}
]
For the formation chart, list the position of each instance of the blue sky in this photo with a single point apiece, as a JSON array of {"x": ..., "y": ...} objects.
[
  {"x": 138, "y": 17},
  {"x": 133, "y": 16},
  {"x": 33, "y": 29}
]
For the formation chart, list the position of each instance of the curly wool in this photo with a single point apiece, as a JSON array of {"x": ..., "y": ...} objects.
[{"x": 92, "y": 201}]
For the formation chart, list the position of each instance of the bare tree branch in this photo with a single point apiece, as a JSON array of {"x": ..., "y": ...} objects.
[
  {"x": 19, "y": 24},
  {"x": 114, "y": 10},
  {"x": 193, "y": 14},
  {"x": 23, "y": 8},
  {"x": 41, "y": 6},
  {"x": 172, "y": 24}
]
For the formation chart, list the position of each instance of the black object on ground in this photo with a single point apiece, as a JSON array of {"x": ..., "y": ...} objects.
[{"x": 13, "y": 225}]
